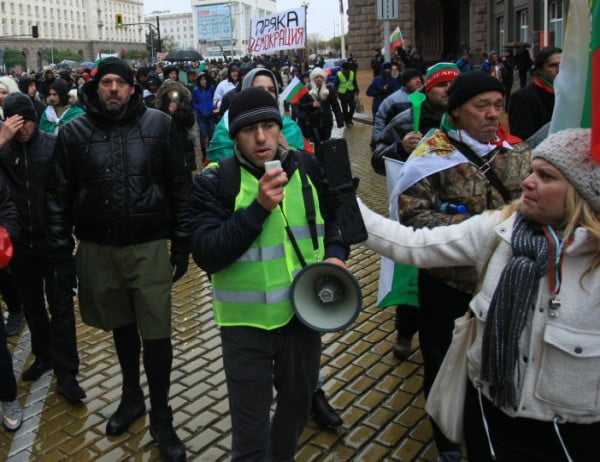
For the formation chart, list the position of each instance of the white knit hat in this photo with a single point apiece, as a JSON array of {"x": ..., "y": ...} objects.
[
  {"x": 569, "y": 151},
  {"x": 317, "y": 72}
]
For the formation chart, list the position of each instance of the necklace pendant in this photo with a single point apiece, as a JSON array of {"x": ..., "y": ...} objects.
[{"x": 554, "y": 305}]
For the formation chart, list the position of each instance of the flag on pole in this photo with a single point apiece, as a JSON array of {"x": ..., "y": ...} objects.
[
  {"x": 341, "y": 6},
  {"x": 576, "y": 91},
  {"x": 294, "y": 91},
  {"x": 396, "y": 39}
]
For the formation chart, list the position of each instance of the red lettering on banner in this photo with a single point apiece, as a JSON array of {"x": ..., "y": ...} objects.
[{"x": 282, "y": 39}]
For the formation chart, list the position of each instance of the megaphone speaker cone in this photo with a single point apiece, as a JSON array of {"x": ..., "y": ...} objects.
[{"x": 325, "y": 297}]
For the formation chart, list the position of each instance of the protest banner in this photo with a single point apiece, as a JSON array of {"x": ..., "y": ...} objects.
[{"x": 285, "y": 30}]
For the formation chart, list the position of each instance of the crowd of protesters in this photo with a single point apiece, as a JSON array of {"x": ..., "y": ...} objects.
[{"x": 209, "y": 104}]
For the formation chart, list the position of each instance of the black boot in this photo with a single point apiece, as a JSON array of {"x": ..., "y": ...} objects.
[
  {"x": 161, "y": 429},
  {"x": 130, "y": 408},
  {"x": 323, "y": 412}
]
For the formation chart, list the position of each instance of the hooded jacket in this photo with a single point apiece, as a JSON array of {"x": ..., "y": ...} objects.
[
  {"x": 390, "y": 142},
  {"x": 183, "y": 117},
  {"x": 222, "y": 146},
  {"x": 24, "y": 83},
  {"x": 117, "y": 181},
  {"x": 202, "y": 98}
]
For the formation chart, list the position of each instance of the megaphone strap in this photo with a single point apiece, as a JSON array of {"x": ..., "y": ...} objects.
[{"x": 309, "y": 207}]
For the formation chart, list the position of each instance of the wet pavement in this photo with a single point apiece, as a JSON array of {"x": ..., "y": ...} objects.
[{"x": 380, "y": 398}]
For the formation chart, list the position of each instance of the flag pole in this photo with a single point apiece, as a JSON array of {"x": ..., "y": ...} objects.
[
  {"x": 386, "y": 41},
  {"x": 343, "y": 38}
]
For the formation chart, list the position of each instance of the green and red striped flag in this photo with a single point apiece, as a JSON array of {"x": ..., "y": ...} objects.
[
  {"x": 294, "y": 91},
  {"x": 396, "y": 39},
  {"x": 576, "y": 92}
]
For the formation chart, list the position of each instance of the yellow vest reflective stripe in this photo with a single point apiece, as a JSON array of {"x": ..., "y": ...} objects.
[
  {"x": 254, "y": 290},
  {"x": 345, "y": 84}
]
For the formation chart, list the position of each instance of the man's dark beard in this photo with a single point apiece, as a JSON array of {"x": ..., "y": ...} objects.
[{"x": 115, "y": 110}]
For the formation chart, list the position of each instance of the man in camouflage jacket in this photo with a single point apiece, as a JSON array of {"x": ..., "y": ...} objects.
[{"x": 438, "y": 176}]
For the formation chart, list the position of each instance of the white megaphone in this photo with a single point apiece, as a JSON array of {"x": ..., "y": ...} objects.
[{"x": 325, "y": 297}]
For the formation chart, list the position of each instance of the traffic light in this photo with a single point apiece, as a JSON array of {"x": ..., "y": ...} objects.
[
  {"x": 34, "y": 32},
  {"x": 119, "y": 23}
]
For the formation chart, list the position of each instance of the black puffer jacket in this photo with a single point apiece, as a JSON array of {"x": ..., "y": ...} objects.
[
  {"x": 9, "y": 216},
  {"x": 117, "y": 181},
  {"x": 26, "y": 167},
  {"x": 390, "y": 142}
]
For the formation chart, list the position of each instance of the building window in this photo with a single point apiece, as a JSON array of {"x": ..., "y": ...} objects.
[
  {"x": 556, "y": 23},
  {"x": 523, "y": 26},
  {"x": 500, "y": 32}
]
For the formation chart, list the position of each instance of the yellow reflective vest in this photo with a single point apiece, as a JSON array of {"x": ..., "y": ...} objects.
[
  {"x": 345, "y": 84},
  {"x": 254, "y": 290}
]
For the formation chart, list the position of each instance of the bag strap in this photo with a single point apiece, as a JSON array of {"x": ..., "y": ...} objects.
[
  {"x": 309, "y": 205},
  {"x": 483, "y": 167},
  {"x": 230, "y": 176}
]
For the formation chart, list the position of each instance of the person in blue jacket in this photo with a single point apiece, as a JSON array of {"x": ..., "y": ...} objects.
[
  {"x": 202, "y": 100},
  {"x": 383, "y": 86}
]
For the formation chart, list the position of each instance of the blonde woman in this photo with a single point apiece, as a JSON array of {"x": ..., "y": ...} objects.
[{"x": 534, "y": 366}]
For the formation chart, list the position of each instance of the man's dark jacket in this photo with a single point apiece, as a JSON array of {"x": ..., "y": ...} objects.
[
  {"x": 117, "y": 181},
  {"x": 26, "y": 167},
  {"x": 390, "y": 143},
  {"x": 529, "y": 108},
  {"x": 9, "y": 216},
  {"x": 220, "y": 236}
]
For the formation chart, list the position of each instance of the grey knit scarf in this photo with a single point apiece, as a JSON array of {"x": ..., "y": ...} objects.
[{"x": 511, "y": 304}]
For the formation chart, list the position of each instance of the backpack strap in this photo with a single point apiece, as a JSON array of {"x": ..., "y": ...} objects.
[{"x": 230, "y": 177}]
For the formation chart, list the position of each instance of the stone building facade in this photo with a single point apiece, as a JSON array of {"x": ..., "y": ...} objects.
[
  {"x": 443, "y": 27},
  {"x": 86, "y": 26},
  {"x": 179, "y": 27}
]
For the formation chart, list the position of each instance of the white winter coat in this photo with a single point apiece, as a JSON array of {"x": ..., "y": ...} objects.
[{"x": 559, "y": 356}]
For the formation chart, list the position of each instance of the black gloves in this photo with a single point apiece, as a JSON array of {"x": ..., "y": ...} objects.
[{"x": 180, "y": 257}]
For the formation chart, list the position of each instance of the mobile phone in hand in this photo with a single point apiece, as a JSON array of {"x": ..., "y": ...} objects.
[{"x": 271, "y": 164}]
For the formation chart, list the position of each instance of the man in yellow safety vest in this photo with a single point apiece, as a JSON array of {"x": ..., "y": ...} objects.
[
  {"x": 252, "y": 232},
  {"x": 347, "y": 89}
]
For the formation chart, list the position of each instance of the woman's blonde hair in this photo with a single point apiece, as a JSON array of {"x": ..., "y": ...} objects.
[{"x": 578, "y": 213}]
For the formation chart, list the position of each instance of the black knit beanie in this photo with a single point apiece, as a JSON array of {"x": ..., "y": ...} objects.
[
  {"x": 114, "y": 65},
  {"x": 408, "y": 75},
  {"x": 470, "y": 84},
  {"x": 19, "y": 104},
  {"x": 61, "y": 89},
  {"x": 251, "y": 106}
]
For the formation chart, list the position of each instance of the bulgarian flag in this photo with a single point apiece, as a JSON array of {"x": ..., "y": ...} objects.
[
  {"x": 398, "y": 284},
  {"x": 396, "y": 39},
  {"x": 294, "y": 91},
  {"x": 576, "y": 92}
]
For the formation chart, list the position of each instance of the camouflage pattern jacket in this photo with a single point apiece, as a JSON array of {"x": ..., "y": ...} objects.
[{"x": 463, "y": 184}]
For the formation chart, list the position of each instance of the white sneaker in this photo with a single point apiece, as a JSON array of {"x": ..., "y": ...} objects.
[{"x": 12, "y": 415}]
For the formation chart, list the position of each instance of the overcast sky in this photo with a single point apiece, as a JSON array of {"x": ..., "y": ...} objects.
[{"x": 321, "y": 19}]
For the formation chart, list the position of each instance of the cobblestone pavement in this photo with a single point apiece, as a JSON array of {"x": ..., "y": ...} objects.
[{"x": 379, "y": 398}]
